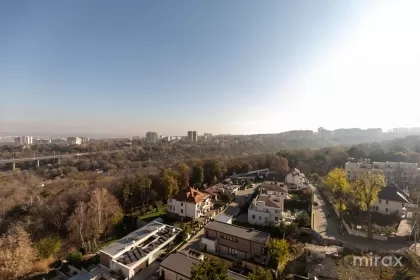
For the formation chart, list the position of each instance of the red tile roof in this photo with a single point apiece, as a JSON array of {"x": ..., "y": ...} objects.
[{"x": 190, "y": 195}]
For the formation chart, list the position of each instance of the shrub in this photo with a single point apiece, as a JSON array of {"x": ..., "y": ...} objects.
[
  {"x": 75, "y": 258},
  {"x": 48, "y": 247}
]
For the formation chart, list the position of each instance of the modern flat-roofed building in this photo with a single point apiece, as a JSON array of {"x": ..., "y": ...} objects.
[
  {"x": 236, "y": 242},
  {"x": 138, "y": 249},
  {"x": 152, "y": 137},
  {"x": 74, "y": 140},
  {"x": 177, "y": 266},
  {"x": 42, "y": 141},
  {"x": 403, "y": 173}
]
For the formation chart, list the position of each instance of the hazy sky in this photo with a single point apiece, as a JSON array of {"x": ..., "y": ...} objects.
[{"x": 237, "y": 66}]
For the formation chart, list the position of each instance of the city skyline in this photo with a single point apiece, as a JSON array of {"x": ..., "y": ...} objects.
[{"x": 234, "y": 67}]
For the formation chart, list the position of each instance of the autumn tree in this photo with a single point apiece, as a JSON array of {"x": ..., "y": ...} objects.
[
  {"x": 168, "y": 184},
  {"x": 278, "y": 164},
  {"x": 260, "y": 274},
  {"x": 104, "y": 212},
  {"x": 184, "y": 172},
  {"x": 367, "y": 187},
  {"x": 17, "y": 254},
  {"x": 337, "y": 182},
  {"x": 78, "y": 224},
  {"x": 48, "y": 247},
  {"x": 278, "y": 250},
  {"x": 197, "y": 174},
  {"x": 210, "y": 269}
]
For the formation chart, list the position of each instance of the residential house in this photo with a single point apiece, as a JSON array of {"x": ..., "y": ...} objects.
[
  {"x": 190, "y": 202},
  {"x": 177, "y": 266},
  {"x": 236, "y": 242},
  {"x": 131, "y": 254},
  {"x": 215, "y": 191},
  {"x": 391, "y": 200},
  {"x": 265, "y": 210},
  {"x": 274, "y": 189},
  {"x": 404, "y": 173},
  {"x": 276, "y": 177},
  {"x": 232, "y": 189},
  {"x": 296, "y": 179}
]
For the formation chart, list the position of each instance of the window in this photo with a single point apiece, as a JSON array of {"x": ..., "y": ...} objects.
[
  {"x": 276, "y": 218},
  {"x": 253, "y": 217},
  {"x": 263, "y": 251},
  {"x": 387, "y": 202},
  {"x": 397, "y": 212},
  {"x": 260, "y": 217},
  {"x": 231, "y": 251},
  {"x": 386, "y": 209},
  {"x": 281, "y": 193},
  {"x": 377, "y": 208},
  {"x": 182, "y": 204},
  {"x": 229, "y": 238},
  {"x": 380, "y": 201},
  {"x": 182, "y": 211}
]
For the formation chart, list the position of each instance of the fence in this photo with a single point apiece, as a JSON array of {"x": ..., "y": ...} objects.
[{"x": 349, "y": 230}]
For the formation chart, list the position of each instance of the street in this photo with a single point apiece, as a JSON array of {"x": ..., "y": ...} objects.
[{"x": 329, "y": 228}]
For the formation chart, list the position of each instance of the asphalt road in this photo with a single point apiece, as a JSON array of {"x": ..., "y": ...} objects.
[
  {"x": 326, "y": 227},
  {"x": 330, "y": 228}
]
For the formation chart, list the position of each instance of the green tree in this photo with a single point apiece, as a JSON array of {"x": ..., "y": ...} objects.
[
  {"x": 367, "y": 187},
  {"x": 303, "y": 220},
  {"x": 75, "y": 258},
  {"x": 48, "y": 247},
  {"x": 278, "y": 250},
  {"x": 168, "y": 183},
  {"x": 213, "y": 269},
  {"x": 197, "y": 174},
  {"x": 337, "y": 182},
  {"x": 260, "y": 274}
]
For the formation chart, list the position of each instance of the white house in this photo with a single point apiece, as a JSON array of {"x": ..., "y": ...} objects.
[
  {"x": 274, "y": 189},
  {"x": 190, "y": 202},
  {"x": 296, "y": 179},
  {"x": 401, "y": 172},
  {"x": 231, "y": 189},
  {"x": 391, "y": 200},
  {"x": 266, "y": 210}
]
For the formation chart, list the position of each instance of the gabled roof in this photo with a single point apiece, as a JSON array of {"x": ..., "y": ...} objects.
[
  {"x": 190, "y": 195},
  {"x": 271, "y": 202},
  {"x": 393, "y": 192},
  {"x": 296, "y": 172}
]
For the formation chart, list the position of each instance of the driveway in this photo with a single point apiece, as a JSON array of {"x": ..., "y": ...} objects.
[{"x": 327, "y": 227}]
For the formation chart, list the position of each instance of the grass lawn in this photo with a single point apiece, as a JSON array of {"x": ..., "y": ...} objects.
[{"x": 153, "y": 214}]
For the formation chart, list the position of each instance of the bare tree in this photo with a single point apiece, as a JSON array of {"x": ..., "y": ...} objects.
[
  {"x": 103, "y": 212},
  {"x": 77, "y": 222},
  {"x": 16, "y": 254}
]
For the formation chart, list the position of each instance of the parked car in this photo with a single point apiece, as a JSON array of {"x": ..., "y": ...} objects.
[{"x": 316, "y": 203}]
